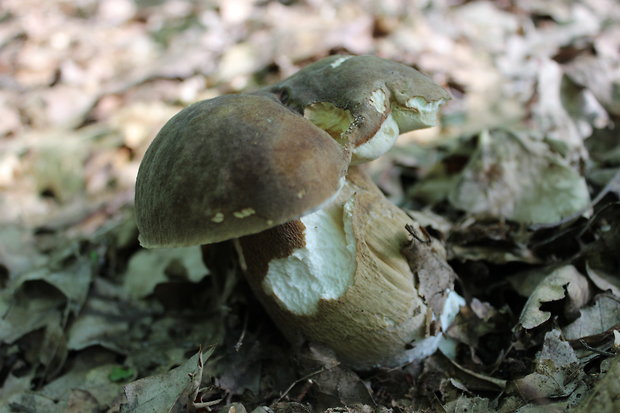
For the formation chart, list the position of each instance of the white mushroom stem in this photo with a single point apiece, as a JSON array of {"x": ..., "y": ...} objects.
[
  {"x": 380, "y": 143},
  {"x": 337, "y": 277}
]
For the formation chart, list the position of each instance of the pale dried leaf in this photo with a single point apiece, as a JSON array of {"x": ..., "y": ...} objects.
[
  {"x": 102, "y": 323},
  {"x": 470, "y": 404},
  {"x": 171, "y": 392},
  {"x": 17, "y": 250},
  {"x": 557, "y": 373},
  {"x": 44, "y": 297},
  {"x": 604, "y": 281},
  {"x": 148, "y": 268},
  {"x": 564, "y": 282},
  {"x": 598, "y": 318},
  {"x": 502, "y": 179}
]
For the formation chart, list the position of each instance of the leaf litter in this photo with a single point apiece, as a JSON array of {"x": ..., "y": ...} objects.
[{"x": 520, "y": 184}]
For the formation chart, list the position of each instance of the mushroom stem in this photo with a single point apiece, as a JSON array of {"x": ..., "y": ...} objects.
[{"x": 338, "y": 277}]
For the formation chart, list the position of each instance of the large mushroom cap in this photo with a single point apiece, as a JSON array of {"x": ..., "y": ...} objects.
[
  {"x": 362, "y": 101},
  {"x": 232, "y": 166}
]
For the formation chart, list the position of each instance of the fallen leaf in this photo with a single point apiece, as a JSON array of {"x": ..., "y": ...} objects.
[
  {"x": 85, "y": 385},
  {"x": 557, "y": 373},
  {"x": 605, "y": 396},
  {"x": 604, "y": 281},
  {"x": 502, "y": 179},
  {"x": 564, "y": 282},
  {"x": 174, "y": 391},
  {"x": 470, "y": 404},
  {"x": 148, "y": 268},
  {"x": 598, "y": 318}
]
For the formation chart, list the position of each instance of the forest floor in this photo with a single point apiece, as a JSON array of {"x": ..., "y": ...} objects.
[{"x": 521, "y": 184}]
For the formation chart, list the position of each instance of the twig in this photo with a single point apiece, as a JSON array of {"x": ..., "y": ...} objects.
[
  {"x": 595, "y": 350},
  {"x": 412, "y": 231},
  {"x": 242, "y": 336},
  {"x": 306, "y": 377},
  {"x": 207, "y": 405}
]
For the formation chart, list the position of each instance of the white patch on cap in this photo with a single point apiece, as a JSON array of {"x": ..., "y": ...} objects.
[
  {"x": 379, "y": 144},
  {"x": 378, "y": 100},
  {"x": 339, "y": 61},
  {"x": 323, "y": 269},
  {"x": 217, "y": 218},
  {"x": 244, "y": 213}
]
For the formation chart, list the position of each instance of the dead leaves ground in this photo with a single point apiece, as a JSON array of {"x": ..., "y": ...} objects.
[{"x": 521, "y": 183}]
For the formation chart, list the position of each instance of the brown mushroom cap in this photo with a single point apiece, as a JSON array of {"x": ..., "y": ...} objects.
[
  {"x": 232, "y": 166},
  {"x": 350, "y": 83}
]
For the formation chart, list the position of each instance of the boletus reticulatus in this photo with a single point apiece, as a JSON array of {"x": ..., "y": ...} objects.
[{"x": 276, "y": 170}]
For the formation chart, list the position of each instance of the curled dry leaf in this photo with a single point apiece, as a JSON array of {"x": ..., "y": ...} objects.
[
  {"x": 564, "y": 282},
  {"x": 43, "y": 298},
  {"x": 427, "y": 260},
  {"x": 147, "y": 269},
  {"x": 603, "y": 280},
  {"x": 557, "y": 371}
]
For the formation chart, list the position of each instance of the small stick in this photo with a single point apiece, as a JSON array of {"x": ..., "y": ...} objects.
[
  {"x": 242, "y": 336},
  {"x": 208, "y": 404},
  {"x": 595, "y": 350},
  {"x": 296, "y": 382}
]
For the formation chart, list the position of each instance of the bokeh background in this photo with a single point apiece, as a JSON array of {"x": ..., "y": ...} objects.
[{"x": 85, "y": 85}]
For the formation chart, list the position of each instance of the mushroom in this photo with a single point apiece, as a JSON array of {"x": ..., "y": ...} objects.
[
  {"x": 319, "y": 243},
  {"x": 231, "y": 166},
  {"x": 362, "y": 101}
]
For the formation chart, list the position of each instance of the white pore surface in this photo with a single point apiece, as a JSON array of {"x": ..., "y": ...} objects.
[
  {"x": 417, "y": 113},
  {"x": 323, "y": 269},
  {"x": 379, "y": 144}
]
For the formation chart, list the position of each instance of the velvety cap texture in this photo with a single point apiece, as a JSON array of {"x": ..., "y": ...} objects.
[{"x": 232, "y": 166}]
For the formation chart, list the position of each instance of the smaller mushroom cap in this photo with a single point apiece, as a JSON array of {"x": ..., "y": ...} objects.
[
  {"x": 364, "y": 102},
  {"x": 232, "y": 166}
]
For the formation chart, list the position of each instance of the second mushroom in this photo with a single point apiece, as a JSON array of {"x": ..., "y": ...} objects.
[{"x": 320, "y": 245}]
